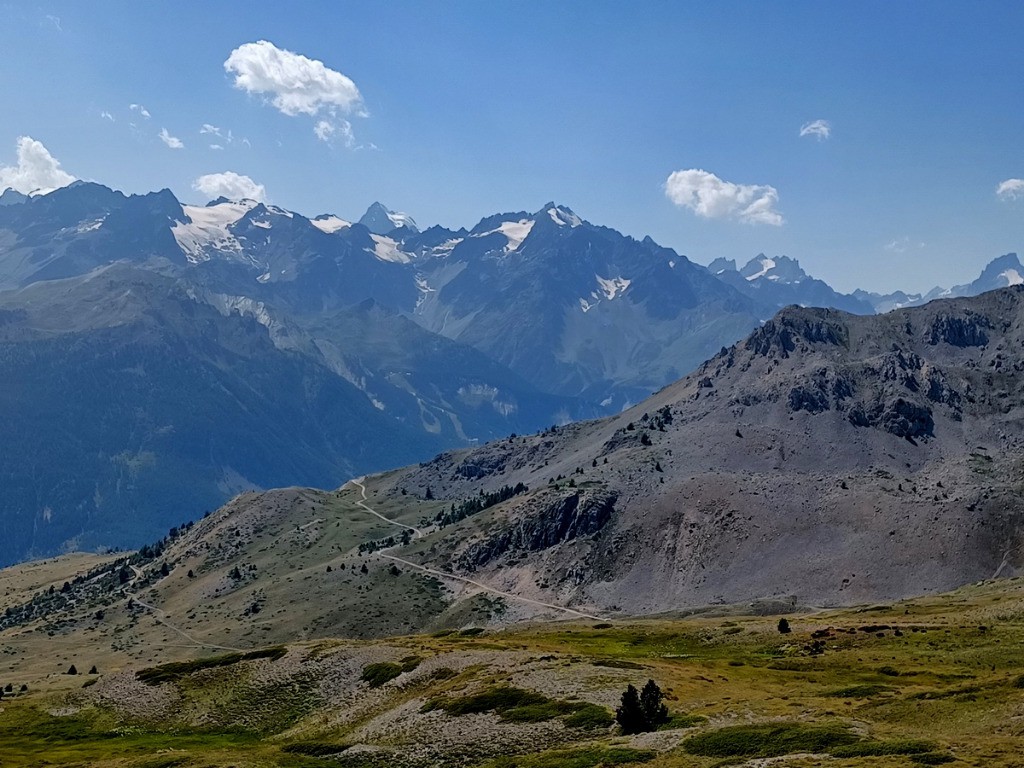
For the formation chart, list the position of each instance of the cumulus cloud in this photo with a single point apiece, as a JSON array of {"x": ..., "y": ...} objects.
[
  {"x": 216, "y": 146},
  {"x": 213, "y": 130},
  {"x": 712, "y": 198},
  {"x": 171, "y": 141},
  {"x": 37, "y": 170},
  {"x": 819, "y": 129},
  {"x": 295, "y": 83},
  {"x": 1011, "y": 189},
  {"x": 231, "y": 185},
  {"x": 140, "y": 109}
]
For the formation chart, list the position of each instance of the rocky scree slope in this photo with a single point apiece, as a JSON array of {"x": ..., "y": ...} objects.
[{"x": 828, "y": 458}]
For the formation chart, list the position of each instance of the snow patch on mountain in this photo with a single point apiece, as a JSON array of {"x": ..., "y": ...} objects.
[
  {"x": 616, "y": 286},
  {"x": 387, "y": 249},
  {"x": 329, "y": 224},
  {"x": 766, "y": 265},
  {"x": 208, "y": 228},
  {"x": 90, "y": 226}
]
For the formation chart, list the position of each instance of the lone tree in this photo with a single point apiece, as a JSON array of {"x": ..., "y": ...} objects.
[
  {"x": 72, "y": 670},
  {"x": 784, "y": 626},
  {"x": 642, "y": 711}
]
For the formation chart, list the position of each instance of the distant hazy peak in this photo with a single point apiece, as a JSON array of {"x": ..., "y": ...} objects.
[
  {"x": 380, "y": 220},
  {"x": 779, "y": 268}
]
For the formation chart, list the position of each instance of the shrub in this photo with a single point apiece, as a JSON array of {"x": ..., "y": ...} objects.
[
  {"x": 590, "y": 717},
  {"x": 382, "y": 672},
  {"x": 586, "y": 757},
  {"x": 932, "y": 758},
  {"x": 881, "y": 748},
  {"x": 784, "y": 628},
  {"x": 860, "y": 691},
  {"x": 166, "y": 673},
  {"x": 314, "y": 748},
  {"x": 768, "y": 740}
]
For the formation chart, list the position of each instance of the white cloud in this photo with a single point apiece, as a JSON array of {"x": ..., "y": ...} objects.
[
  {"x": 341, "y": 130},
  {"x": 37, "y": 170},
  {"x": 213, "y": 130},
  {"x": 140, "y": 109},
  {"x": 820, "y": 129},
  {"x": 107, "y": 116},
  {"x": 1011, "y": 189},
  {"x": 712, "y": 198},
  {"x": 231, "y": 185},
  {"x": 216, "y": 146},
  {"x": 902, "y": 245},
  {"x": 171, "y": 141},
  {"x": 297, "y": 84}
]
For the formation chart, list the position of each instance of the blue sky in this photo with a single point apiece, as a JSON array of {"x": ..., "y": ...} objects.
[{"x": 469, "y": 108}]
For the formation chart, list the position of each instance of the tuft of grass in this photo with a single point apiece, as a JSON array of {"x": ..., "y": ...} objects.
[
  {"x": 592, "y": 717},
  {"x": 882, "y": 748},
  {"x": 176, "y": 670},
  {"x": 381, "y": 672},
  {"x": 314, "y": 748},
  {"x": 617, "y": 664},
  {"x": 587, "y": 757},
  {"x": 768, "y": 740},
  {"x": 932, "y": 758},
  {"x": 860, "y": 691},
  {"x": 675, "y": 722}
]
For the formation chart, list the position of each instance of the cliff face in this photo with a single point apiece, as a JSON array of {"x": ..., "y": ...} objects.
[{"x": 543, "y": 523}]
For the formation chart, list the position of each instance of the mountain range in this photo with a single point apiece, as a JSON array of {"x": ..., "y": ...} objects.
[{"x": 177, "y": 354}]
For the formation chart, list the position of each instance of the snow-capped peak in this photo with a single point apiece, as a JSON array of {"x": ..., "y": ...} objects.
[
  {"x": 208, "y": 227},
  {"x": 329, "y": 223},
  {"x": 380, "y": 220},
  {"x": 563, "y": 217}
]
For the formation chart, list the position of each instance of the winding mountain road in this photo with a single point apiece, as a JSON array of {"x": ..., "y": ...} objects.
[{"x": 418, "y": 533}]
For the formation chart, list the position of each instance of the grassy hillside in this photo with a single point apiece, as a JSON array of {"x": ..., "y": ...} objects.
[{"x": 920, "y": 682}]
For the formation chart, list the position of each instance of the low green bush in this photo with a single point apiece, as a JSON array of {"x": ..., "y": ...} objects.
[
  {"x": 175, "y": 670},
  {"x": 590, "y": 717},
  {"x": 314, "y": 748},
  {"x": 881, "y": 748},
  {"x": 381, "y": 672},
  {"x": 860, "y": 691},
  {"x": 768, "y": 740},
  {"x": 587, "y": 757},
  {"x": 932, "y": 758}
]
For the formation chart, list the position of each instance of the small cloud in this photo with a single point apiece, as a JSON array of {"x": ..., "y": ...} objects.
[
  {"x": 341, "y": 131},
  {"x": 247, "y": 143},
  {"x": 820, "y": 129},
  {"x": 216, "y": 146},
  {"x": 296, "y": 84},
  {"x": 212, "y": 130},
  {"x": 713, "y": 198},
  {"x": 171, "y": 141},
  {"x": 55, "y": 20},
  {"x": 37, "y": 170},
  {"x": 902, "y": 245},
  {"x": 1011, "y": 189},
  {"x": 140, "y": 109},
  {"x": 231, "y": 185},
  {"x": 107, "y": 116}
]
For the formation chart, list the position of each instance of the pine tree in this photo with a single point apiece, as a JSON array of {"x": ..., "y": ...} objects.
[
  {"x": 655, "y": 712},
  {"x": 641, "y": 711},
  {"x": 629, "y": 715},
  {"x": 784, "y": 626}
]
